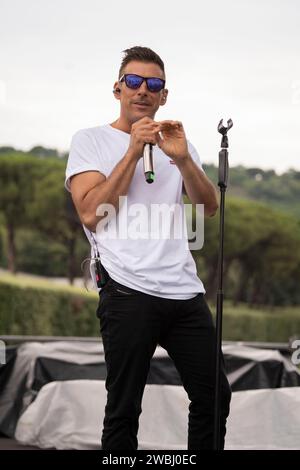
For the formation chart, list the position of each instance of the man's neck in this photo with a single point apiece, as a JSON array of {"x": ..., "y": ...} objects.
[{"x": 122, "y": 125}]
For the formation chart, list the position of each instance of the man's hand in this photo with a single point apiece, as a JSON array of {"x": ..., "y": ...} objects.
[
  {"x": 198, "y": 187},
  {"x": 143, "y": 131},
  {"x": 173, "y": 142}
]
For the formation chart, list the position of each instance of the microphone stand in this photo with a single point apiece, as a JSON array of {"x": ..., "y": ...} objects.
[{"x": 223, "y": 177}]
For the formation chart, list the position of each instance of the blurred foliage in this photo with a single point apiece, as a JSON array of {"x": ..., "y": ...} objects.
[
  {"x": 45, "y": 255},
  {"x": 278, "y": 191},
  {"x": 34, "y": 310},
  {"x": 41, "y": 308},
  {"x": 32, "y": 196},
  {"x": 261, "y": 254},
  {"x": 40, "y": 232}
]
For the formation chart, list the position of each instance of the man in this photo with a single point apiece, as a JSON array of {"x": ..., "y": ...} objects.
[{"x": 153, "y": 295}]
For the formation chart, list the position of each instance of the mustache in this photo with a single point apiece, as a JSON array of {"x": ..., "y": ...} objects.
[{"x": 141, "y": 102}]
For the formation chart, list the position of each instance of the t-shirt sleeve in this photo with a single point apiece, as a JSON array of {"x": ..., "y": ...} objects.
[
  {"x": 83, "y": 156},
  {"x": 195, "y": 156}
]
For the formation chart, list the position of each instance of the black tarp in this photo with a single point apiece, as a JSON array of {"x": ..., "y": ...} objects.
[{"x": 33, "y": 365}]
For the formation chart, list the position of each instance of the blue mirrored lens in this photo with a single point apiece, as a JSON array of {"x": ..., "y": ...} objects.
[
  {"x": 155, "y": 84},
  {"x": 133, "y": 81}
]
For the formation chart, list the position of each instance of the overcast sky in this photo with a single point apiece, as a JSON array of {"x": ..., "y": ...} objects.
[{"x": 236, "y": 59}]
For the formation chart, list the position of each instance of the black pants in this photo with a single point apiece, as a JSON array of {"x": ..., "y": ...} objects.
[{"x": 132, "y": 324}]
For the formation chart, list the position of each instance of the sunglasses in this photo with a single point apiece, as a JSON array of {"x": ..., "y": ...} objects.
[{"x": 134, "y": 82}]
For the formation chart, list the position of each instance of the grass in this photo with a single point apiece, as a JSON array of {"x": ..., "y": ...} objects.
[{"x": 26, "y": 280}]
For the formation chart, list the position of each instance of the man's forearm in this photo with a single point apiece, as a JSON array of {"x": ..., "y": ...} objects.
[
  {"x": 198, "y": 187},
  {"x": 108, "y": 192}
]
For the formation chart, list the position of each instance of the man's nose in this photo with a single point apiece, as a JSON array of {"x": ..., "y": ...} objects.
[{"x": 143, "y": 90}]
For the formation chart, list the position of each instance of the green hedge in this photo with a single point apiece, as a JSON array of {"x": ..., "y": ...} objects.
[
  {"x": 262, "y": 326},
  {"x": 29, "y": 310},
  {"x": 40, "y": 308}
]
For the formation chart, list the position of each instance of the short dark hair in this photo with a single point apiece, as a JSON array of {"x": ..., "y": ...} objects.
[{"x": 141, "y": 54}]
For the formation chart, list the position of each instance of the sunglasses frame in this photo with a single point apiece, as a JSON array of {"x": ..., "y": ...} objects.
[{"x": 123, "y": 78}]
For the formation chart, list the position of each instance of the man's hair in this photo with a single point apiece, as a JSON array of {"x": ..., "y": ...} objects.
[{"x": 141, "y": 54}]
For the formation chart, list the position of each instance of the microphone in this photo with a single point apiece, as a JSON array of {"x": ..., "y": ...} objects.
[{"x": 148, "y": 163}]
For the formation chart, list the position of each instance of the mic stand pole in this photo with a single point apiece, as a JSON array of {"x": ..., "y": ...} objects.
[{"x": 223, "y": 177}]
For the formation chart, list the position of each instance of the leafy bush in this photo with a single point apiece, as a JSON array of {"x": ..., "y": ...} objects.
[
  {"x": 42, "y": 309},
  {"x": 35, "y": 310},
  {"x": 242, "y": 324}
]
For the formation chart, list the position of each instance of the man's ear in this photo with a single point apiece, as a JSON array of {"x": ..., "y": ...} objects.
[
  {"x": 117, "y": 90},
  {"x": 164, "y": 96}
]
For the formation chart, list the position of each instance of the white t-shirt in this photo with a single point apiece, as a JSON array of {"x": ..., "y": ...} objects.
[{"x": 149, "y": 262}]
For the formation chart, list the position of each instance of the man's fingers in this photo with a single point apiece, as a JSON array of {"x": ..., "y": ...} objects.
[
  {"x": 168, "y": 121},
  {"x": 147, "y": 125},
  {"x": 159, "y": 140},
  {"x": 146, "y": 122},
  {"x": 171, "y": 124},
  {"x": 149, "y": 138}
]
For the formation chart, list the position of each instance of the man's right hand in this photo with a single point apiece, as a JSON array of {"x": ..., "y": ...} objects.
[{"x": 144, "y": 131}]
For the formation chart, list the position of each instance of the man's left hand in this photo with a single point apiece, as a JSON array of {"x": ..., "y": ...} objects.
[{"x": 173, "y": 142}]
